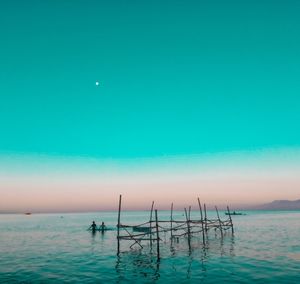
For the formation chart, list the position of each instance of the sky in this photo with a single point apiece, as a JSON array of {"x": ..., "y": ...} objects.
[{"x": 195, "y": 98}]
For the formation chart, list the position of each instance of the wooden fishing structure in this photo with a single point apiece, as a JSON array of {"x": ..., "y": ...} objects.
[{"x": 150, "y": 231}]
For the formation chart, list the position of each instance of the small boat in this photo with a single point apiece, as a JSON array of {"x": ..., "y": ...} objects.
[
  {"x": 27, "y": 213},
  {"x": 105, "y": 229},
  {"x": 234, "y": 213},
  {"x": 141, "y": 229},
  {"x": 100, "y": 229}
]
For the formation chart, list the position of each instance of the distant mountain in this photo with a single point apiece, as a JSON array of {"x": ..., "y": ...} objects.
[{"x": 280, "y": 205}]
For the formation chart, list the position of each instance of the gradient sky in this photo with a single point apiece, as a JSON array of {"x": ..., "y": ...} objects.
[{"x": 181, "y": 82}]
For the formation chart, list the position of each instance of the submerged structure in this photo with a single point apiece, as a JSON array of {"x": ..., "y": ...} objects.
[{"x": 150, "y": 231}]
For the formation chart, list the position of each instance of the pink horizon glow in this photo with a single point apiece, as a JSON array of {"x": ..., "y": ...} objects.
[
  {"x": 92, "y": 193},
  {"x": 47, "y": 184}
]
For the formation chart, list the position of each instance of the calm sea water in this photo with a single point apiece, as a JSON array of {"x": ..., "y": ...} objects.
[{"x": 44, "y": 248}]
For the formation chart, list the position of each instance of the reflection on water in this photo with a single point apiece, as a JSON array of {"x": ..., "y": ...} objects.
[
  {"x": 137, "y": 264},
  {"x": 47, "y": 248},
  {"x": 294, "y": 256},
  {"x": 144, "y": 264}
]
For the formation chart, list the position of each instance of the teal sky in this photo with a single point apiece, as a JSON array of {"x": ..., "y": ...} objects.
[
  {"x": 196, "y": 98},
  {"x": 176, "y": 77}
]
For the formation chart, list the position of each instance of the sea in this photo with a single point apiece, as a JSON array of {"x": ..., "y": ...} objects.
[{"x": 58, "y": 248}]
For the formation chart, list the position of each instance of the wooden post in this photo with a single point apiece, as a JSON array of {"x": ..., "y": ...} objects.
[
  {"x": 220, "y": 223},
  {"x": 172, "y": 222},
  {"x": 201, "y": 214},
  {"x": 232, "y": 230},
  {"x": 205, "y": 217},
  {"x": 119, "y": 215},
  {"x": 188, "y": 228},
  {"x": 157, "y": 235},
  {"x": 150, "y": 228}
]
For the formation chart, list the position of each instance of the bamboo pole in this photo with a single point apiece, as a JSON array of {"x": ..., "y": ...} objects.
[
  {"x": 220, "y": 223},
  {"x": 205, "y": 217},
  {"x": 232, "y": 230},
  {"x": 119, "y": 216},
  {"x": 188, "y": 227},
  {"x": 150, "y": 229},
  {"x": 172, "y": 222},
  {"x": 201, "y": 214},
  {"x": 157, "y": 235}
]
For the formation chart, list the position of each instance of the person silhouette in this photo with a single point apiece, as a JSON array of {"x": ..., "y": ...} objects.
[
  {"x": 93, "y": 227},
  {"x": 102, "y": 227}
]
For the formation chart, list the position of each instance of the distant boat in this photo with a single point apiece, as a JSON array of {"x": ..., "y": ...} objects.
[
  {"x": 27, "y": 213},
  {"x": 234, "y": 213}
]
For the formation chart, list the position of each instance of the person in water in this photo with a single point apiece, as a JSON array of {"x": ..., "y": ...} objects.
[
  {"x": 102, "y": 227},
  {"x": 93, "y": 227}
]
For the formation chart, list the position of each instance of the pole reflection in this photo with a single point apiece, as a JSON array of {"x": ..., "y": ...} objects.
[{"x": 193, "y": 259}]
